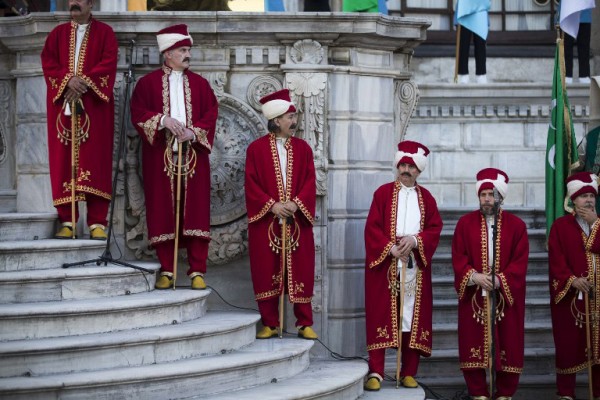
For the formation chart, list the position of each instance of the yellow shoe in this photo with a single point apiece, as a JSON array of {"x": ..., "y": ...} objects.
[
  {"x": 373, "y": 384},
  {"x": 164, "y": 282},
  {"x": 266, "y": 332},
  {"x": 198, "y": 283},
  {"x": 65, "y": 232},
  {"x": 97, "y": 232},
  {"x": 306, "y": 332},
  {"x": 409, "y": 382},
  {"x": 503, "y": 398},
  {"x": 480, "y": 398}
]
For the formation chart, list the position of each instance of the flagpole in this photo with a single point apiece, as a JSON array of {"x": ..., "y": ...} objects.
[{"x": 456, "y": 55}]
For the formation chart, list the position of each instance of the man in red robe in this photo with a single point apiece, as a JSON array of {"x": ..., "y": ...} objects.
[
  {"x": 474, "y": 250},
  {"x": 175, "y": 111},
  {"x": 79, "y": 61},
  {"x": 281, "y": 188},
  {"x": 401, "y": 234},
  {"x": 574, "y": 257}
]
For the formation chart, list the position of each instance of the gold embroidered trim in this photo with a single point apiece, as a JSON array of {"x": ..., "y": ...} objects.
[
  {"x": 512, "y": 370},
  {"x": 165, "y": 91},
  {"x": 79, "y": 196},
  {"x": 506, "y": 288},
  {"x": 277, "y": 165},
  {"x": 201, "y": 137},
  {"x": 266, "y": 295},
  {"x": 65, "y": 200},
  {"x": 464, "y": 283},
  {"x": 384, "y": 254},
  {"x": 196, "y": 232},
  {"x": 473, "y": 364},
  {"x": 421, "y": 248},
  {"x": 304, "y": 210},
  {"x": 563, "y": 292},
  {"x": 53, "y": 82},
  {"x": 572, "y": 370},
  {"x": 82, "y": 49},
  {"x": 150, "y": 126},
  {"x": 162, "y": 238},
  {"x": 416, "y": 313},
  {"x": 63, "y": 84},
  {"x": 592, "y": 238},
  {"x": 262, "y": 212},
  {"x": 383, "y": 345},
  {"x": 104, "y": 81},
  {"x": 93, "y": 86}
]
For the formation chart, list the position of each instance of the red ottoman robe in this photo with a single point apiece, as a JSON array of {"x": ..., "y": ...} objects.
[
  {"x": 264, "y": 187},
  {"x": 572, "y": 255},
  {"x": 469, "y": 255},
  {"x": 98, "y": 67},
  {"x": 150, "y": 101},
  {"x": 380, "y": 235}
]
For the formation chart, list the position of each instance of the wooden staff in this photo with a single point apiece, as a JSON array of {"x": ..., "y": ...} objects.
[
  {"x": 588, "y": 343},
  {"x": 399, "y": 352},
  {"x": 456, "y": 56},
  {"x": 283, "y": 267},
  {"x": 177, "y": 208},
  {"x": 74, "y": 128},
  {"x": 488, "y": 301}
]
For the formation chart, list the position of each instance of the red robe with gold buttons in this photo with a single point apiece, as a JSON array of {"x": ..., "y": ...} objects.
[
  {"x": 573, "y": 254},
  {"x": 264, "y": 187},
  {"x": 150, "y": 101},
  {"x": 98, "y": 67},
  {"x": 469, "y": 255},
  {"x": 381, "y": 306}
]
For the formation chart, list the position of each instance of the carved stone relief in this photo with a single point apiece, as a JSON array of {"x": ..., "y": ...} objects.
[
  {"x": 309, "y": 93},
  {"x": 259, "y": 87},
  {"x": 4, "y": 116},
  {"x": 406, "y": 97}
]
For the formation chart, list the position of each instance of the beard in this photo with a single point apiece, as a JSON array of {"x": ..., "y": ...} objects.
[{"x": 486, "y": 210}]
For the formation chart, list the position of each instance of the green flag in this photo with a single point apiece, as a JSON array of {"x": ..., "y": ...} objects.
[{"x": 561, "y": 150}]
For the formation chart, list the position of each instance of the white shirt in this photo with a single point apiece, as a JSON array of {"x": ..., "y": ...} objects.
[
  {"x": 78, "y": 41},
  {"x": 408, "y": 222},
  {"x": 282, "y": 153}
]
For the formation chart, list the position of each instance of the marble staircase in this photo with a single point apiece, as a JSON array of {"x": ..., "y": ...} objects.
[{"x": 103, "y": 332}]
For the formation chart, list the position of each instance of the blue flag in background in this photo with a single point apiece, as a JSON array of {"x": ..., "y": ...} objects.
[
  {"x": 274, "y": 5},
  {"x": 473, "y": 15}
]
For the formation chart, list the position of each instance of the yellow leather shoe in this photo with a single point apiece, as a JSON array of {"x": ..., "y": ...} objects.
[
  {"x": 409, "y": 382},
  {"x": 372, "y": 384},
  {"x": 198, "y": 283},
  {"x": 306, "y": 332},
  {"x": 97, "y": 232},
  {"x": 503, "y": 398},
  {"x": 164, "y": 282},
  {"x": 266, "y": 332},
  {"x": 65, "y": 232}
]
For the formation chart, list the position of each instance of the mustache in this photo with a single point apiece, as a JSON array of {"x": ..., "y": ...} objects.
[
  {"x": 75, "y": 7},
  {"x": 187, "y": 59},
  {"x": 406, "y": 174},
  {"x": 293, "y": 126}
]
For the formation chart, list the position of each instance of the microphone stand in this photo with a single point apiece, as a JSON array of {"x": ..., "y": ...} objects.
[
  {"x": 107, "y": 257},
  {"x": 493, "y": 293}
]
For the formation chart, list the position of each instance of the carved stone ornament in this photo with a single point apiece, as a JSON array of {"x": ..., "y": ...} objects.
[
  {"x": 5, "y": 95},
  {"x": 307, "y": 51},
  {"x": 3, "y": 146},
  {"x": 308, "y": 92},
  {"x": 259, "y": 87},
  {"x": 406, "y": 98},
  {"x": 217, "y": 81}
]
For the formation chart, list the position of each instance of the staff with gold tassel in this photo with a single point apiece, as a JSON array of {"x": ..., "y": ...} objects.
[
  {"x": 74, "y": 129},
  {"x": 284, "y": 250},
  {"x": 588, "y": 344},
  {"x": 399, "y": 352},
  {"x": 177, "y": 148}
]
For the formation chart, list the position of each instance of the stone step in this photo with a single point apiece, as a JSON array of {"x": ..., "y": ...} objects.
[
  {"x": 537, "y": 334},
  {"x": 537, "y": 265},
  {"x": 80, "y": 317},
  {"x": 537, "y": 240},
  {"x": 257, "y": 364},
  {"x": 79, "y": 283},
  {"x": 8, "y": 201},
  {"x": 26, "y": 226},
  {"x": 536, "y": 287},
  {"x": 331, "y": 380},
  {"x": 536, "y": 309},
  {"x": 214, "y": 333},
  {"x": 47, "y": 253}
]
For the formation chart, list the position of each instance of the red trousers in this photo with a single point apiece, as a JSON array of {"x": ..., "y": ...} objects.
[
  {"x": 97, "y": 210},
  {"x": 565, "y": 383},
  {"x": 197, "y": 251},
  {"x": 410, "y": 359},
  {"x": 269, "y": 312},
  {"x": 506, "y": 383}
]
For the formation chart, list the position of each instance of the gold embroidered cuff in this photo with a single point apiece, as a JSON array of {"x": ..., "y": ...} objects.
[
  {"x": 563, "y": 292},
  {"x": 384, "y": 254},
  {"x": 62, "y": 86},
  {"x": 262, "y": 212},
  {"x": 304, "y": 210}
]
